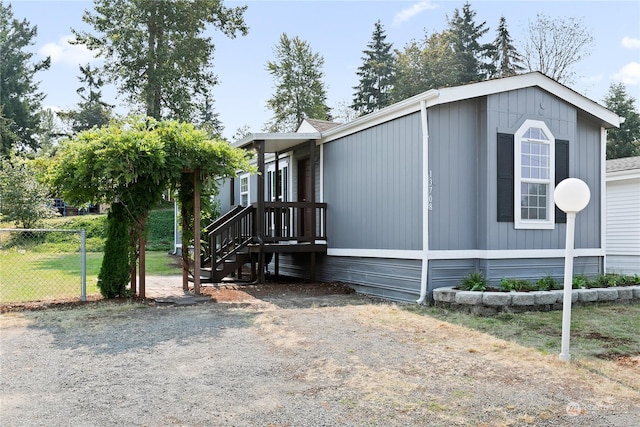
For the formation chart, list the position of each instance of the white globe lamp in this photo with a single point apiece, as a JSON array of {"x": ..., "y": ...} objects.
[{"x": 571, "y": 196}]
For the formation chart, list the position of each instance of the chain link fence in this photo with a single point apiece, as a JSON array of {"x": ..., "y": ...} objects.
[{"x": 42, "y": 265}]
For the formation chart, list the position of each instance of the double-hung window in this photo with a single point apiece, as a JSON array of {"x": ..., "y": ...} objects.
[
  {"x": 244, "y": 189},
  {"x": 534, "y": 160}
]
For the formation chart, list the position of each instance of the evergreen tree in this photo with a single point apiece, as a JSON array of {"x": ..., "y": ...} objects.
[
  {"x": 469, "y": 53},
  {"x": 376, "y": 74},
  {"x": 20, "y": 100},
  {"x": 300, "y": 90},
  {"x": 506, "y": 59},
  {"x": 209, "y": 120},
  {"x": 116, "y": 264},
  {"x": 157, "y": 50},
  {"x": 92, "y": 111},
  {"x": 624, "y": 141}
]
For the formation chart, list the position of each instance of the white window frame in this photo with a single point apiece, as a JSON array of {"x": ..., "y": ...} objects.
[
  {"x": 247, "y": 191},
  {"x": 285, "y": 182},
  {"x": 535, "y": 224}
]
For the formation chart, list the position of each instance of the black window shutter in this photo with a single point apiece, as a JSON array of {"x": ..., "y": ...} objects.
[
  {"x": 505, "y": 177},
  {"x": 562, "y": 171}
]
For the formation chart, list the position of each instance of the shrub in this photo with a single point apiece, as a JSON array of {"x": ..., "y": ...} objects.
[
  {"x": 516, "y": 285},
  {"x": 547, "y": 283},
  {"x": 580, "y": 282},
  {"x": 115, "y": 270},
  {"x": 474, "y": 282}
]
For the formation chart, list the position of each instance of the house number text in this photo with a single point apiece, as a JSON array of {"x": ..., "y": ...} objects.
[{"x": 430, "y": 186}]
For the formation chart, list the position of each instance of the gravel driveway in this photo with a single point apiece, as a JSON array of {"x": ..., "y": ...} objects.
[{"x": 294, "y": 359}]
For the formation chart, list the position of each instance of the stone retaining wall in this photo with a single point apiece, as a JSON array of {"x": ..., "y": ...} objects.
[{"x": 496, "y": 302}]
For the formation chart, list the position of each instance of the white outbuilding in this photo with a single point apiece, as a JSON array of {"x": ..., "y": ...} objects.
[{"x": 623, "y": 216}]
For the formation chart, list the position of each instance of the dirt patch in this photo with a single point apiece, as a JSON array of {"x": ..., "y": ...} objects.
[
  {"x": 296, "y": 354},
  {"x": 293, "y": 292}
]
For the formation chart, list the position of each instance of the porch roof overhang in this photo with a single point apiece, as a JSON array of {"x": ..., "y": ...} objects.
[{"x": 277, "y": 142}]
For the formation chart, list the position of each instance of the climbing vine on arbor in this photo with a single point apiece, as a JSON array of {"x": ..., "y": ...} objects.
[{"x": 133, "y": 161}]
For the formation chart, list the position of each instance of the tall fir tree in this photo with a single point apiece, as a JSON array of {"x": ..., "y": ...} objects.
[
  {"x": 158, "y": 52},
  {"x": 91, "y": 111},
  {"x": 506, "y": 59},
  {"x": 20, "y": 100},
  {"x": 471, "y": 56},
  {"x": 299, "y": 87},
  {"x": 624, "y": 141},
  {"x": 377, "y": 74}
]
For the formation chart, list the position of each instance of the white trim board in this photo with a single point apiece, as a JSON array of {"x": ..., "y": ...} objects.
[{"x": 463, "y": 254}]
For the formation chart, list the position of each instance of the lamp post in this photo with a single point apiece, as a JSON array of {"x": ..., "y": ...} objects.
[{"x": 571, "y": 196}]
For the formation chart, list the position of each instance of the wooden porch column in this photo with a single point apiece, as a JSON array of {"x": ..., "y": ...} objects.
[
  {"x": 312, "y": 199},
  {"x": 260, "y": 206},
  {"x": 196, "y": 233}
]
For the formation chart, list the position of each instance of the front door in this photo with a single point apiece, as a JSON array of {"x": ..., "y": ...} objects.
[{"x": 304, "y": 195}]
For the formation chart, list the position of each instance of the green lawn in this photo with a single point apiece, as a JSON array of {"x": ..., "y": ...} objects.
[
  {"x": 33, "y": 276},
  {"x": 602, "y": 331}
]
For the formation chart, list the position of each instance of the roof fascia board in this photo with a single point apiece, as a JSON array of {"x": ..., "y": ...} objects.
[
  {"x": 474, "y": 90},
  {"x": 290, "y": 136},
  {"x": 402, "y": 108}
]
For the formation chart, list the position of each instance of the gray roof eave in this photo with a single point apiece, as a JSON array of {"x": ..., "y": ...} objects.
[{"x": 277, "y": 142}]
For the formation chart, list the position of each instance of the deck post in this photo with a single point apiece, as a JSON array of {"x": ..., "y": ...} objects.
[
  {"x": 260, "y": 206},
  {"x": 196, "y": 233},
  {"x": 312, "y": 196}
]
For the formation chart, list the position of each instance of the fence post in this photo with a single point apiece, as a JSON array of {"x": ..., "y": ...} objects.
[{"x": 83, "y": 265}]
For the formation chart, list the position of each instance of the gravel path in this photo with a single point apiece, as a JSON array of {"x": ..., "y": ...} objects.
[{"x": 285, "y": 360}]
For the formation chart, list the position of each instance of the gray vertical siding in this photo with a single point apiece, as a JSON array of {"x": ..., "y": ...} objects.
[
  {"x": 224, "y": 197},
  {"x": 373, "y": 189},
  {"x": 454, "y": 146},
  {"x": 505, "y": 113}
]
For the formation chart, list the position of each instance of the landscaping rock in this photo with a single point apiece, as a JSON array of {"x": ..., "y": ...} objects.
[
  {"x": 559, "y": 293},
  {"x": 445, "y": 294},
  {"x": 523, "y": 298},
  {"x": 586, "y": 295},
  {"x": 636, "y": 291},
  {"x": 625, "y": 293},
  {"x": 607, "y": 294},
  {"x": 468, "y": 297},
  {"x": 496, "y": 298},
  {"x": 544, "y": 297}
]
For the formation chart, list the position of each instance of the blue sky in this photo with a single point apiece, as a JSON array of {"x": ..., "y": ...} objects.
[{"x": 340, "y": 31}]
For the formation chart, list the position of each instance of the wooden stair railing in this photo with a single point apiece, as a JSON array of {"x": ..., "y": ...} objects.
[{"x": 227, "y": 244}]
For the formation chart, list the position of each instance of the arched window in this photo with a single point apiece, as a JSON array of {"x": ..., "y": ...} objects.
[{"x": 534, "y": 160}]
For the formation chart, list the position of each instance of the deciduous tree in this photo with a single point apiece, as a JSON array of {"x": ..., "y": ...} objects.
[
  {"x": 299, "y": 87},
  {"x": 156, "y": 51},
  {"x": 424, "y": 65},
  {"x": 554, "y": 45},
  {"x": 23, "y": 199}
]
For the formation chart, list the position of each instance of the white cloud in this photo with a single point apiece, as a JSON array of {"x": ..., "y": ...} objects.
[
  {"x": 410, "y": 12},
  {"x": 64, "y": 52},
  {"x": 629, "y": 74},
  {"x": 630, "y": 43}
]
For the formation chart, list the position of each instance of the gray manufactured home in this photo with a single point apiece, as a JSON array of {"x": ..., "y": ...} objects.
[{"x": 421, "y": 193}]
